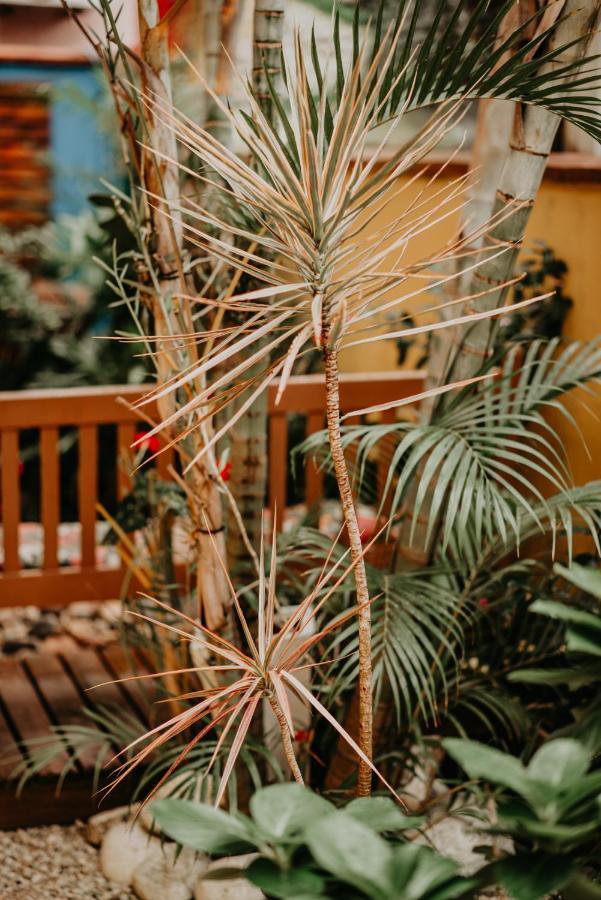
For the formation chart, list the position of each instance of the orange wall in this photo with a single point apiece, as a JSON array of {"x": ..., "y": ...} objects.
[{"x": 567, "y": 216}]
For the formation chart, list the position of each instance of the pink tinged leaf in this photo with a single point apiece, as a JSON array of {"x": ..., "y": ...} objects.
[
  {"x": 238, "y": 608},
  {"x": 236, "y": 747},
  {"x": 460, "y": 320},
  {"x": 233, "y": 713},
  {"x": 261, "y": 603},
  {"x": 237, "y": 658},
  {"x": 300, "y": 688},
  {"x": 214, "y": 636},
  {"x": 271, "y": 587},
  {"x": 232, "y": 421},
  {"x": 417, "y": 398},
  {"x": 293, "y": 352}
]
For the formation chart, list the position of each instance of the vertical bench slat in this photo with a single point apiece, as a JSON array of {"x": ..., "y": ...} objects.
[
  {"x": 50, "y": 494},
  {"x": 87, "y": 487},
  {"x": 164, "y": 460},
  {"x": 313, "y": 475},
  {"x": 278, "y": 465},
  {"x": 125, "y": 436},
  {"x": 11, "y": 501}
]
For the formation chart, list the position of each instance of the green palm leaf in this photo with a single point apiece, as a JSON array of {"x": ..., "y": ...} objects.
[
  {"x": 454, "y": 61},
  {"x": 485, "y": 451}
]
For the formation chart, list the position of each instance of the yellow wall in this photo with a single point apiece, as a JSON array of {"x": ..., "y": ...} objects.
[{"x": 567, "y": 216}]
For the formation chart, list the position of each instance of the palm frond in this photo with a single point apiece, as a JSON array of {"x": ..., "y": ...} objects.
[
  {"x": 485, "y": 451},
  {"x": 455, "y": 61},
  {"x": 417, "y": 634}
]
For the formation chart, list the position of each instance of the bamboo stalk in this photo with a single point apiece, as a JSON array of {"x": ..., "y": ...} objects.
[{"x": 249, "y": 435}]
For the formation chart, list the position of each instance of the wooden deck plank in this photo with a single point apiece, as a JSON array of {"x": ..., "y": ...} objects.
[
  {"x": 62, "y": 698},
  {"x": 88, "y": 671},
  {"x": 140, "y": 693},
  {"x": 10, "y": 753},
  {"x": 26, "y": 710}
]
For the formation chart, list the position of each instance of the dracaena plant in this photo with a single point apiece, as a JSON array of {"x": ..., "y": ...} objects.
[
  {"x": 234, "y": 688},
  {"x": 308, "y": 190}
]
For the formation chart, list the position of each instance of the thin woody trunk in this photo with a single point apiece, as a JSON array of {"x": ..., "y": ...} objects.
[
  {"x": 249, "y": 435},
  {"x": 364, "y": 726},
  {"x": 530, "y": 143},
  {"x": 160, "y": 178}
]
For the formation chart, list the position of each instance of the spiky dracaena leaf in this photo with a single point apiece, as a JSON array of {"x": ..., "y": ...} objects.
[{"x": 267, "y": 669}]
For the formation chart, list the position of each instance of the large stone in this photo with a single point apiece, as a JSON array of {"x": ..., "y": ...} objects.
[
  {"x": 124, "y": 847},
  {"x": 98, "y": 824},
  {"x": 231, "y": 888},
  {"x": 168, "y": 876}
]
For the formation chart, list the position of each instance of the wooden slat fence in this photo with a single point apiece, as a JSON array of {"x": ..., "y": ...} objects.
[{"x": 88, "y": 409}]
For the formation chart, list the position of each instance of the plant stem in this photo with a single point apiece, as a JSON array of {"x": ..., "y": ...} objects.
[
  {"x": 365, "y": 736},
  {"x": 286, "y": 740}
]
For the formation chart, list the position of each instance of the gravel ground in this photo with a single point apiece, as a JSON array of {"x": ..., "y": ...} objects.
[{"x": 53, "y": 863}]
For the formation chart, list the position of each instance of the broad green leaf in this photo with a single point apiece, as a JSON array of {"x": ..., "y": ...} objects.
[
  {"x": 480, "y": 761},
  {"x": 203, "y": 827},
  {"x": 530, "y": 876},
  {"x": 295, "y": 882},
  {"x": 353, "y": 853},
  {"x": 284, "y": 810},
  {"x": 424, "y": 875},
  {"x": 559, "y": 763},
  {"x": 381, "y": 814},
  {"x": 584, "y": 577}
]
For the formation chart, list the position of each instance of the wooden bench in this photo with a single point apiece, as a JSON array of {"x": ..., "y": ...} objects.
[{"x": 86, "y": 410}]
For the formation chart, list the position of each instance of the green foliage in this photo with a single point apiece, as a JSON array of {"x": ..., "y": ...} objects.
[
  {"x": 455, "y": 59},
  {"x": 308, "y": 848},
  {"x": 551, "y": 808},
  {"x": 482, "y": 453},
  {"x": 55, "y": 308},
  {"x": 580, "y": 666}
]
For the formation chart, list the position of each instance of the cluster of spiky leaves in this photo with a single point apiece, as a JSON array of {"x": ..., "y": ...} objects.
[
  {"x": 241, "y": 679},
  {"x": 311, "y": 199}
]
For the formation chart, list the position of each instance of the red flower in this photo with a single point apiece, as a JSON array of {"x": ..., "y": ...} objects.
[
  {"x": 483, "y": 601},
  {"x": 226, "y": 472},
  {"x": 302, "y": 736},
  {"x": 151, "y": 445}
]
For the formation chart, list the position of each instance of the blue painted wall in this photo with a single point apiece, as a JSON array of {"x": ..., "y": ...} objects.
[{"x": 81, "y": 150}]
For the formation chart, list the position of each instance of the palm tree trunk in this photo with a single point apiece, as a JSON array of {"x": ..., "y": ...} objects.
[
  {"x": 534, "y": 132},
  {"x": 365, "y": 706},
  {"x": 160, "y": 178},
  {"x": 509, "y": 178}
]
